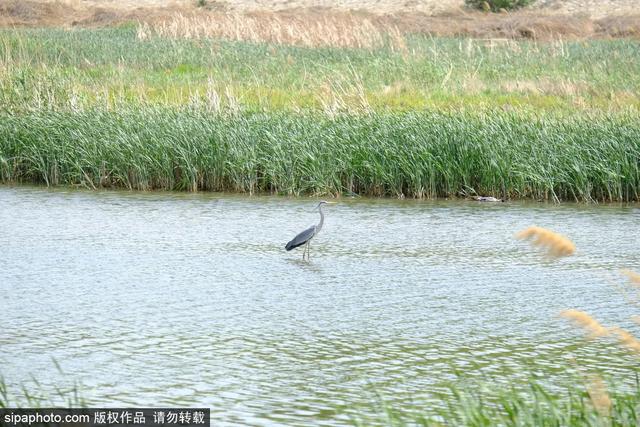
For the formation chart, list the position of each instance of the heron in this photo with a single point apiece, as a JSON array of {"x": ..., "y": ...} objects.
[{"x": 305, "y": 237}]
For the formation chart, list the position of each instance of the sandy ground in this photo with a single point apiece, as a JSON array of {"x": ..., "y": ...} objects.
[{"x": 593, "y": 8}]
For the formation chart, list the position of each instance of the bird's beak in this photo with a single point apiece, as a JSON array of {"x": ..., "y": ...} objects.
[{"x": 317, "y": 208}]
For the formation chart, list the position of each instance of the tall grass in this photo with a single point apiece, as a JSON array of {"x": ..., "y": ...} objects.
[
  {"x": 418, "y": 154},
  {"x": 476, "y": 405},
  {"x": 49, "y": 68},
  {"x": 434, "y": 118},
  {"x": 330, "y": 30},
  {"x": 35, "y": 395}
]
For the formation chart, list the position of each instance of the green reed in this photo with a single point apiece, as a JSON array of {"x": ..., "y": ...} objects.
[
  {"x": 440, "y": 118},
  {"x": 49, "y": 68},
  {"x": 420, "y": 154},
  {"x": 534, "y": 405}
]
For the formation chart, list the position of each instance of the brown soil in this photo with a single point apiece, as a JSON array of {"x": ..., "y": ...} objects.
[{"x": 546, "y": 19}]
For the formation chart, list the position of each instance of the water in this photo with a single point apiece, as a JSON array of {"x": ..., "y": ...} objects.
[{"x": 149, "y": 299}]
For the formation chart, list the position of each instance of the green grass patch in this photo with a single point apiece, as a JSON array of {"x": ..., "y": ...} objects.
[{"x": 92, "y": 62}]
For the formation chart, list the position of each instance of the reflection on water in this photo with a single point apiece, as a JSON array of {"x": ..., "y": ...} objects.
[{"x": 175, "y": 299}]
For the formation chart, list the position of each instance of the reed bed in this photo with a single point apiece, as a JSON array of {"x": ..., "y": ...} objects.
[
  {"x": 141, "y": 109},
  {"x": 326, "y": 30},
  {"x": 54, "y": 69},
  {"x": 419, "y": 155}
]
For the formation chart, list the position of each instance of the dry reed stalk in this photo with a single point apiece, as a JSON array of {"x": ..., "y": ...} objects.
[
  {"x": 626, "y": 339},
  {"x": 582, "y": 319},
  {"x": 634, "y": 277},
  {"x": 555, "y": 244},
  {"x": 599, "y": 396},
  {"x": 596, "y": 330},
  {"x": 308, "y": 31}
]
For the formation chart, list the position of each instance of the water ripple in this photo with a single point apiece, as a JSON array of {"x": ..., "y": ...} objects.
[{"x": 169, "y": 299}]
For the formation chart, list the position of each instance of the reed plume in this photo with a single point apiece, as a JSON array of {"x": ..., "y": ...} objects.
[
  {"x": 596, "y": 330},
  {"x": 626, "y": 339},
  {"x": 599, "y": 396},
  {"x": 634, "y": 277},
  {"x": 553, "y": 243},
  {"x": 585, "y": 321}
]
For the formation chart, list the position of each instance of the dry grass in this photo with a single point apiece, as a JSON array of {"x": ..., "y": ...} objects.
[
  {"x": 546, "y": 86},
  {"x": 626, "y": 339},
  {"x": 343, "y": 29},
  {"x": 596, "y": 330},
  {"x": 69, "y": 13},
  {"x": 559, "y": 245},
  {"x": 634, "y": 277},
  {"x": 300, "y": 23},
  {"x": 334, "y": 30},
  {"x": 619, "y": 26},
  {"x": 583, "y": 320},
  {"x": 555, "y": 244},
  {"x": 599, "y": 395}
]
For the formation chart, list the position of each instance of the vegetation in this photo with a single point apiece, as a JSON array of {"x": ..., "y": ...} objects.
[
  {"x": 468, "y": 403},
  {"x": 476, "y": 405},
  {"x": 37, "y": 396},
  {"x": 590, "y": 401},
  {"x": 374, "y": 113},
  {"x": 409, "y": 154},
  {"x": 139, "y": 108},
  {"x": 497, "y": 5},
  {"x": 111, "y": 68}
]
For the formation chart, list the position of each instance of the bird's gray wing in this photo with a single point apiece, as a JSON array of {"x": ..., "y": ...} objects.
[{"x": 301, "y": 238}]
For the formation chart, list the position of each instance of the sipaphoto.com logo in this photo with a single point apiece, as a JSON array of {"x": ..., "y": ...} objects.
[
  {"x": 105, "y": 417},
  {"x": 40, "y": 417}
]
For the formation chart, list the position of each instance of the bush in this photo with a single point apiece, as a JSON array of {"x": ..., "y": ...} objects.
[{"x": 497, "y": 5}]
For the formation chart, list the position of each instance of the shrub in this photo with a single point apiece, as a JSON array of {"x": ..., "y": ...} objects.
[{"x": 497, "y": 5}]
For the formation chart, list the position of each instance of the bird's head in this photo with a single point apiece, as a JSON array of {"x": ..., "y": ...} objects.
[{"x": 324, "y": 203}]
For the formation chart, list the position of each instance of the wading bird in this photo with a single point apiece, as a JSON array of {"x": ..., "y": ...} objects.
[{"x": 305, "y": 237}]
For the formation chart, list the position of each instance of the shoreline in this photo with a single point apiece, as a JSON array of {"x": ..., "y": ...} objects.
[{"x": 217, "y": 195}]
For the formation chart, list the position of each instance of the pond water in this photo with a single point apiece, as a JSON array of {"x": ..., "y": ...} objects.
[{"x": 152, "y": 299}]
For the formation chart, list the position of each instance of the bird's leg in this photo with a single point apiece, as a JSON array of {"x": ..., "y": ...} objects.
[
  {"x": 304, "y": 250},
  {"x": 308, "y": 249}
]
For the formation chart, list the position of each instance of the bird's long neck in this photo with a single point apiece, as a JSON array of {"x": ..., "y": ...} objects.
[{"x": 319, "y": 226}]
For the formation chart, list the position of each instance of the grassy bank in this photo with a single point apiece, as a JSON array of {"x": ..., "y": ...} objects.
[
  {"x": 410, "y": 154},
  {"x": 403, "y": 116},
  {"x": 111, "y": 68}
]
